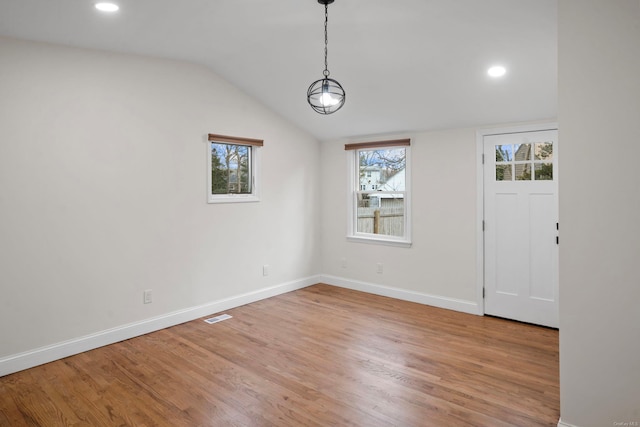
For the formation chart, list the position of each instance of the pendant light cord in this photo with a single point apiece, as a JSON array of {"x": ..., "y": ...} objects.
[{"x": 326, "y": 40}]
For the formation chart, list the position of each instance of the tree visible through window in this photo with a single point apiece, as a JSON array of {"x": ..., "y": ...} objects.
[
  {"x": 233, "y": 165},
  {"x": 230, "y": 168}
]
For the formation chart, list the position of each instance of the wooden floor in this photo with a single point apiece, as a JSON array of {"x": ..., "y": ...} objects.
[{"x": 320, "y": 356}]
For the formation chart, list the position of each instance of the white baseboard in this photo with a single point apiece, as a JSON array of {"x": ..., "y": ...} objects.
[
  {"x": 39, "y": 356},
  {"x": 464, "y": 306},
  {"x": 562, "y": 424}
]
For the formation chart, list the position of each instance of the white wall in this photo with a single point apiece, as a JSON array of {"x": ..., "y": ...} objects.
[
  {"x": 441, "y": 263},
  {"x": 599, "y": 112},
  {"x": 103, "y": 193}
]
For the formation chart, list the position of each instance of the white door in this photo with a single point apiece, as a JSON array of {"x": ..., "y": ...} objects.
[{"x": 521, "y": 226}]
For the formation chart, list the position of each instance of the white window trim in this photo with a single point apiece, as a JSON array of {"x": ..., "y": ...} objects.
[
  {"x": 255, "y": 178},
  {"x": 352, "y": 234}
]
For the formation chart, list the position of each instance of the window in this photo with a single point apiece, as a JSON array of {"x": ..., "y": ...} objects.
[
  {"x": 379, "y": 207},
  {"x": 517, "y": 161},
  {"x": 233, "y": 166}
]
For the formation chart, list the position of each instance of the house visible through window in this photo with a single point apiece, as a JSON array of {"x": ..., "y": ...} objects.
[
  {"x": 380, "y": 202},
  {"x": 233, "y": 165}
]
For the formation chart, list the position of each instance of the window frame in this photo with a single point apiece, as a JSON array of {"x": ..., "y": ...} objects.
[
  {"x": 254, "y": 169},
  {"x": 353, "y": 164}
]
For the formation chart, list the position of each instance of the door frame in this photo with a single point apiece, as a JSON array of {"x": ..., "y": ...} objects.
[{"x": 480, "y": 134}]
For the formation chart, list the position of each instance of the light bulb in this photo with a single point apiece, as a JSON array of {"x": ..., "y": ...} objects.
[{"x": 327, "y": 100}]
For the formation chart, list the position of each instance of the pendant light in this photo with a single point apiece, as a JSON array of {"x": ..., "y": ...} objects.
[{"x": 326, "y": 95}]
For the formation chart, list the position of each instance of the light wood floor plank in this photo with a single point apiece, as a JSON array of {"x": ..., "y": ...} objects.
[{"x": 320, "y": 356}]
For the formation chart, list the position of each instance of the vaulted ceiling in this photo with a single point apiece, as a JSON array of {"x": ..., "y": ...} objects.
[{"x": 406, "y": 65}]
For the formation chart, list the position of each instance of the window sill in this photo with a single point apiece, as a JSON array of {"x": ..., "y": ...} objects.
[
  {"x": 380, "y": 241},
  {"x": 233, "y": 198}
]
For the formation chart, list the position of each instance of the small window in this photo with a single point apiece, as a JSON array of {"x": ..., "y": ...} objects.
[
  {"x": 233, "y": 166},
  {"x": 380, "y": 211},
  {"x": 516, "y": 162}
]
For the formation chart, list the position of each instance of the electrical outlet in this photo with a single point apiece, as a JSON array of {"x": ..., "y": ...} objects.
[
  {"x": 265, "y": 270},
  {"x": 343, "y": 263},
  {"x": 379, "y": 268},
  {"x": 148, "y": 296}
]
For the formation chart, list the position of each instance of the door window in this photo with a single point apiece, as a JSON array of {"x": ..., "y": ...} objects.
[{"x": 524, "y": 162}]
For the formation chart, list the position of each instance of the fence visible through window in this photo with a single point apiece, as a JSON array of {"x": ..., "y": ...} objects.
[{"x": 385, "y": 217}]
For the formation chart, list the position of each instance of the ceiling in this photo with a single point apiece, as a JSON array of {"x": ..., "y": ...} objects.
[{"x": 406, "y": 65}]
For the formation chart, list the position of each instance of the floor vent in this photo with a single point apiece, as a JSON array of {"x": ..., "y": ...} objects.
[{"x": 218, "y": 319}]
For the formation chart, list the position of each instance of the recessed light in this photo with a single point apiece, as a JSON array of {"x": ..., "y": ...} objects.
[
  {"x": 107, "y": 7},
  {"x": 497, "y": 71}
]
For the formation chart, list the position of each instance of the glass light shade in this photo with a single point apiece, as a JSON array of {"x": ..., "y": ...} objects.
[{"x": 326, "y": 96}]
